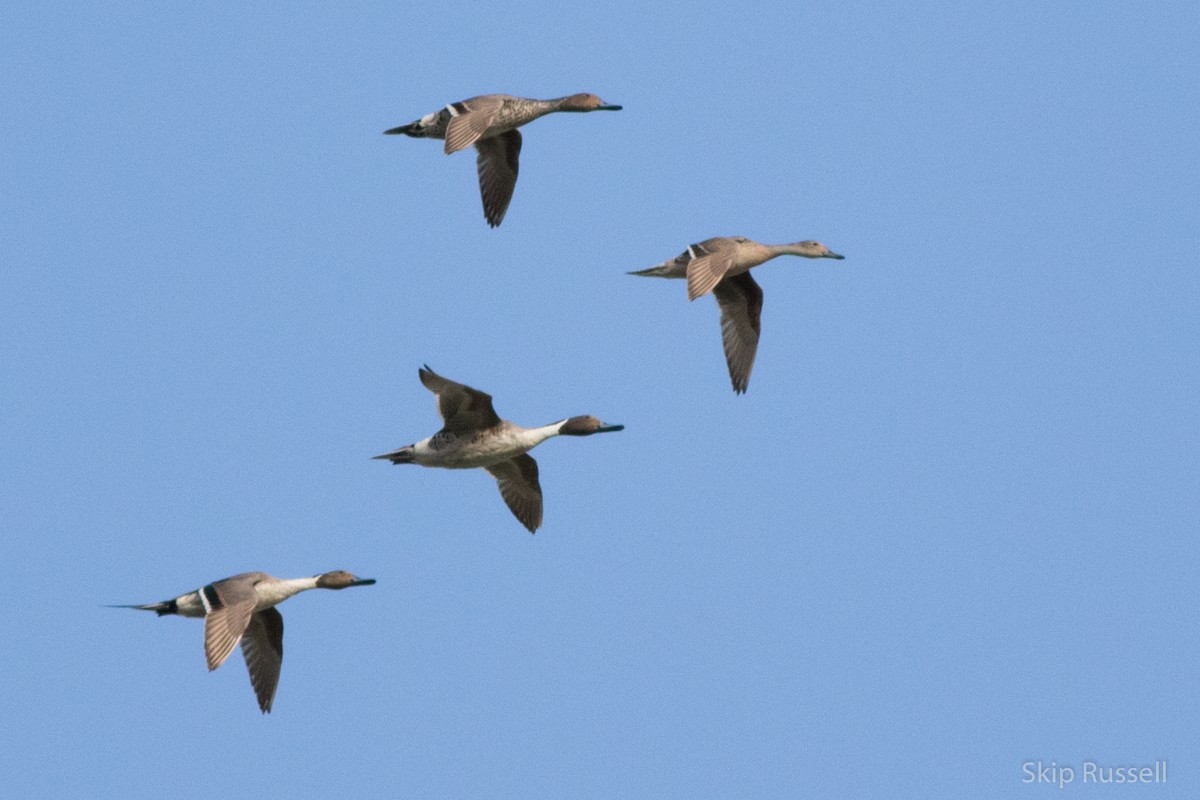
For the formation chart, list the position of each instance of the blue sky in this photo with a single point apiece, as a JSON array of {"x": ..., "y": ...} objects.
[{"x": 950, "y": 529}]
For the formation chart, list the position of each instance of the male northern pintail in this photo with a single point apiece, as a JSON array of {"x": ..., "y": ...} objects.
[
  {"x": 473, "y": 435},
  {"x": 490, "y": 122},
  {"x": 242, "y": 609},
  {"x": 722, "y": 264}
]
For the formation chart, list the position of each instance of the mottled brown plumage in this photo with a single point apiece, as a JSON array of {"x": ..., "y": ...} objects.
[
  {"x": 722, "y": 265},
  {"x": 490, "y": 123}
]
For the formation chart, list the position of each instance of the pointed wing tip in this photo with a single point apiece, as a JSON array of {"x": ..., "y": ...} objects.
[{"x": 493, "y": 216}]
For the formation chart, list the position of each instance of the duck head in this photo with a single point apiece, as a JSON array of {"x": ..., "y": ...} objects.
[
  {"x": 340, "y": 579},
  {"x": 586, "y": 426}
]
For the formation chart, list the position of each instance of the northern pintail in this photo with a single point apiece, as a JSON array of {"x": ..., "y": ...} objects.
[
  {"x": 490, "y": 122},
  {"x": 473, "y": 435},
  {"x": 722, "y": 264},
  {"x": 242, "y": 609}
]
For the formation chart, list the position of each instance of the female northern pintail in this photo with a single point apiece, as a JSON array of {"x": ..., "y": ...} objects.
[
  {"x": 490, "y": 122},
  {"x": 242, "y": 609},
  {"x": 722, "y": 264},
  {"x": 474, "y": 436}
]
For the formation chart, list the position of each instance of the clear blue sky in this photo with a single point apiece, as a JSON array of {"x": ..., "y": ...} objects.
[{"x": 951, "y": 528}]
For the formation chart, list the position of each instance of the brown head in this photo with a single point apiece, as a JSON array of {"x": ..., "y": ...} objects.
[
  {"x": 586, "y": 102},
  {"x": 340, "y": 579},
  {"x": 586, "y": 426}
]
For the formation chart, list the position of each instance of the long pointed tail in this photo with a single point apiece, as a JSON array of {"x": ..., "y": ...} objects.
[
  {"x": 405, "y": 129},
  {"x": 405, "y": 455},
  {"x": 662, "y": 270},
  {"x": 425, "y": 127},
  {"x": 163, "y": 608}
]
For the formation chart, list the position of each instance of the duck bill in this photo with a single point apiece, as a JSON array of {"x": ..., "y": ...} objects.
[
  {"x": 608, "y": 428},
  {"x": 832, "y": 254},
  {"x": 363, "y": 582},
  {"x": 608, "y": 107}
]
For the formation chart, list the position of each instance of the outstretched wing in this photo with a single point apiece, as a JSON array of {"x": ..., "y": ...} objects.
[
  {"x": 229, "y": 604},
  {"x": 469, "y": 120},
  {"x": 462, "y": 408},
  {"x": 740, "y": 298},
  {"x": 262, "y": 647},
  {"x": 497, "y": 163},
  {"x": 518, "y": 480},
  {"x": 710, "y": 261}
]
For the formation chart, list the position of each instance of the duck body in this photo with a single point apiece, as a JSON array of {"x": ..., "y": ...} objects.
[
  {"x": 269, "y": 591},
  {"x": 241, "y": 610},
  {"x": 490, "y": 122},
  {"x": 498, "y": 113},
  {"x": 480, "y": 448},
  {"x": 474, "y": 436},
  {"x": 743, "y": 254},
  {"x": 722, "y": 265}
]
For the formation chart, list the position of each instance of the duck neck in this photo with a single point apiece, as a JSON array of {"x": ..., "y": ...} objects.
[
  {"x": 789, "y": 249},
  {"x": 272, "y": 592},
  {"x": 536, "y": 436},
  {"x": 531, "y": 108}
]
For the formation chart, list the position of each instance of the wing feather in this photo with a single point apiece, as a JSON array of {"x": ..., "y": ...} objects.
[
  {"x": 741, "y": 299},
  {"x": 262, "y": 647},
  {"x": 462, "y": 408},
  {"x": 470, "y": 120},
  {"x": 711, "y": 260},
  {"x": 518, "y": 481},
  {"x": 225, "y": 623},
  {"x": 498, "y": 163}
]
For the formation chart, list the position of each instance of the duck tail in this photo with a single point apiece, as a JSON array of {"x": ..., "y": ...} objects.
[
  {"x": 407, "y": 130},
  {"x": 161, "y": 609},
  {"x": 657, "y": 271},
  {"x": 405, "y": 455}
]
